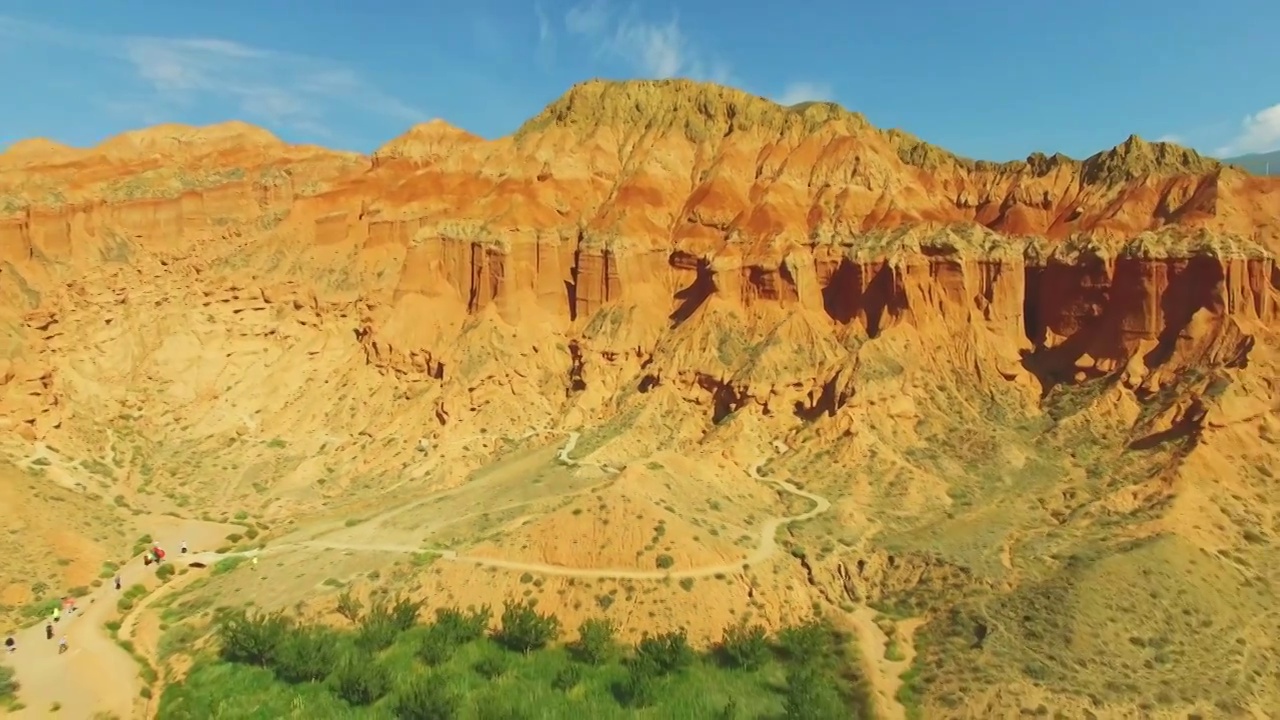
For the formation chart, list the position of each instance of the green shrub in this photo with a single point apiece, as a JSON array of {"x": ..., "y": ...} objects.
[
  {"x": 812, "y": 643},
  {"x": 8, "y": 684},
  {"x": 491, "y": 667},
  {"x": 569, "y": 677},
  {"x": 426, "y": 698},
  {"x": 305, "y": 655},
  {"x": 459, "y": 627},
  {"x": 663, "y": 654},
  {"x": 524, "y": 629},
  {"x": 360, "y": 679},
  {"x": 166, "y": 571},
  {"x": 744, "y": 647},
  {"x": 810, "y": 694},
  {"x": 436, "y": 648},
  {"x": 639, "y": 689},
  {"x": 252, "y": 640},
  {"x": 595, "y": 644}
]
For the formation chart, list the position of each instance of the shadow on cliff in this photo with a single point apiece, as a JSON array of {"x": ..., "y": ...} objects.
[
  {"x": 1187, "y": 427},
  {"x": 692, "y": 297},
  {"x": 848, "y": 294}
]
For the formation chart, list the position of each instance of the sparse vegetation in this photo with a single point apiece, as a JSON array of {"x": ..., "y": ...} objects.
[{"x": 8, "y": 687}]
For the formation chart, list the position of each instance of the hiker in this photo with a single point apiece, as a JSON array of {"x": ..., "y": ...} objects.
[
  {"x": 10, "y": 643},
  {"x": 48, "y": 631},
  {"x": 62, "y": 645},
  {"x": 57, "y": 613},
  {"x": 117, "y": 582},
  {"x": 184, "y": 547}
]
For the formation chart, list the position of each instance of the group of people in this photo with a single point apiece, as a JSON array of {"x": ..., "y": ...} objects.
[{"x": 68, "y": 604}]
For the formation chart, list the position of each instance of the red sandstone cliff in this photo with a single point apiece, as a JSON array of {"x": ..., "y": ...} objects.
[{"x": 665, "y": 229}]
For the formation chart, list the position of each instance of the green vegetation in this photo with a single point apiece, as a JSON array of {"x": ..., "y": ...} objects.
[
  {"x": 390, "y": 665},
  {"x": 227, "y": 564},
  {"x": 8, "y": 687}
]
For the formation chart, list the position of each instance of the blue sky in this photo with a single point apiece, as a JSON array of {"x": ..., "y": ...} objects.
[{"x": 985, "y": 78}]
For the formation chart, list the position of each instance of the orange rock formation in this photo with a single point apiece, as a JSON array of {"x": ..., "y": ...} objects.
[{"x": 668, "y": 201}]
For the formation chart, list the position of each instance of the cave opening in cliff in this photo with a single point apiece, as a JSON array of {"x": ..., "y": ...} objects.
[
  {"x": 882, "y": 296},
  {"x": 692, "y": 297},
  {"x": 1196, "y": 286},
  {"x": 840, "y": 296},
  {"x": 1032, "y": 321},
  {"x": 571, "y": 288},
  {"x": 571, "y": 293}
]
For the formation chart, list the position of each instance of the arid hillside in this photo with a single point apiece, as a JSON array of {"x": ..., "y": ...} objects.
[{"x": 1026, "y": 411}]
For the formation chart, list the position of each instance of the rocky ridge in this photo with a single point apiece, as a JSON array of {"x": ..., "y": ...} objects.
[{"x": 696, "y": 199}]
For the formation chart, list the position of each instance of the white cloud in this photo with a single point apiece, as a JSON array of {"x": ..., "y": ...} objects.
[
  {"x": 587, "y": 18},
  {"x": 1259, "y": 133},
  {"x": 657, "y": 50},
  {"x": 279, "y": 88},
  {"x": 798, "y": 92},
  {"x": 1172, "y": 138},
  {"x": 546, "y": 37}
]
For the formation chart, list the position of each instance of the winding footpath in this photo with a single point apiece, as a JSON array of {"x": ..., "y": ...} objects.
[
  {"x": 98, "y": 676},
  {"x": 766, "y": 546}
]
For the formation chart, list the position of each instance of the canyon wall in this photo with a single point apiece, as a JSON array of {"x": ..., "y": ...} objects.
[{"x": 683, "y": 208}]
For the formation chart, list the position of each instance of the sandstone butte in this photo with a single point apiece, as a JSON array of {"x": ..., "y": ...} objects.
[{"x": 715, "y": 252}]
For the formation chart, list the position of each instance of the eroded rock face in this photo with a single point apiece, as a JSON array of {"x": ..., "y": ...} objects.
[{"x": 642, "y": 219}]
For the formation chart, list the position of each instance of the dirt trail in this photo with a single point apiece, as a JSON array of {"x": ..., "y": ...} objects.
[
  {"x": 95, "y": 675},
  {"x": 884, "y": 675},
  {"x": 766, "y": 547}
]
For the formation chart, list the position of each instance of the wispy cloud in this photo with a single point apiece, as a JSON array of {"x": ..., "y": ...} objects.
[
  {"x": 804, "y": 91},
  {"x": 546, "y": 51},
  {"x": 1172, "y": 138},
  {"x": 1258, "y": 133},
  {"x": 278, "y": 88},
  {"x": 654, "y": 49}
]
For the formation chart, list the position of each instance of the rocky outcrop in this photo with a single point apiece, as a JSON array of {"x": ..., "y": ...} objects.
[{"x": 679, "y": 225}]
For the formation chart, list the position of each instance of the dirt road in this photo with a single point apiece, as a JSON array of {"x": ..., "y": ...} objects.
[{"x": 97, "y": 675}]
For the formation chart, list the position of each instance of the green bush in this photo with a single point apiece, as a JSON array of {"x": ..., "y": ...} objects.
[
  {"x": 426, "y": 698},
  {"x": 524, "y": 629},
  {"x": 305, "y": 655},
  {"x": 810, "y": 694},
  {"x": 382, "y": 624},
  {"x": 360, "y": 679},
  {"x": 663, "y": 654},
  {"x": 8, "y": 684},
  {"x": 166, "y": 571},
  {"x": 569, "y": 677},
  {"x": 436, "y": 648},
  {"x": 595, "y": 644},
  {"x": 252, "y": 639},
  {"x": 639, "y": 689},
  {"x": 812, "y": 643},
  {"x": 744, "y": 647},
  {"x": 491, "y": 667},
  {"x": 375, "y": 634},
  {"x": 459, "y": 627}
]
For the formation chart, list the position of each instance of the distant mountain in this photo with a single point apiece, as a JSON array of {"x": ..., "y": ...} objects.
[{"x": 1257, "y": 163}]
